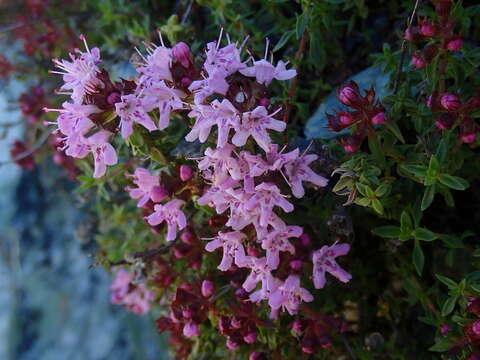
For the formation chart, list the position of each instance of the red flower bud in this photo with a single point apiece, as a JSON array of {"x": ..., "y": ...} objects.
[
  {"x": 454, "y": 44},
  {"x": 297, "y": 327},
  {"x": 444, "y": 121},
  {"x": 191, "y": 329},
  {"x": 207, "y": 288},
  {"x": 378, "y": 118},
  {"x": 443, "y": 7},
  {"x": 444, "y": 329},
  {"x": 450, "y": 102},
  {"x": 427, "y": 28},
  {"x": 296, "y": 265},
  {"x": 349, "y": 94},
  {"x": 181, "y": 53},
  {"x": 232, "y": 345},
  {"x": 345, "y": 118},
  {"x": 186, "y": 81},
  {"x": 250, "y": 338},
  {"x": 418, "y": 62},
  {"x": 188, "y": 236},
  {"x": 264, "y": 102},
  {"x": 474, "y": 307}
]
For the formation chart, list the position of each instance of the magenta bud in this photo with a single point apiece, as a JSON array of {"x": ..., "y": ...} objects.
[
  {"x": 474, "y": 356},
  {"x": 191, "y": 329},
  {"x": 232, "y": 345},
  {"x": 444, "y": 122},
  {"x": 186, "y": 172},
  {"x": 181, "y": 53},
  {"x": 468, "y": 138},
  {"x": 187, "y": 313},
  {"x": 476, "y": 327},
  {"x": 113, "y": 98},
  {"x": 427, "y": 28},
  {"x": 450, "y": 102},
  {"x": 444, "y": 329},
  {"x": 296, "y": 265},
  {"x": 305, "y": 240},
  {"x": 349, "y": 95},
  {"x": 241, "y": 293},
  {"x": 250, "y": 338},
  {"x": 345, "y": 118},
  {"x": 158, "y": 193},
  {"x": 454, "y": 44},
  {"x": 256, "y": 355},
  {"x": 378, "y": 119},
  {"x": 188, "y": 237},
  {"x": 297, "y": 327},
  {"x": 408, "y": 35},
  {"x": 418, "y": 62},
  {"x": 264, "y": 102},
  {"x": 208, "y": 288},
  {"x": 253, "y": 251},
  {"x": 236, "y": 322}
]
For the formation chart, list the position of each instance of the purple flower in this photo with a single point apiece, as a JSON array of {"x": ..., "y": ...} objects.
[
  {"x": 277, "y": 241},
  {"x": 159, "y": 96},
  {"x": 172, "y": 215},
  {"x": 265, "y": 72},
  {"x": 224, "y": 60},
  {"x": 191, "y": 329},
  {"x": 208, "y": 288},
  {"x": 147, "y": 186},
  {"x": 267, "y": 196},
  {"x": 233, "y": 250},
  {"x": 119, "y": 287},
  {"x": 103, "y": 152},
  {"x": 186, "y": 172},
  {"x": 156, "y": 66},
  {"x": 324, "y": 261},
  {"x": 256, "y": 123},
  {"x": 80, "y": 74},
  {"x": 298, "y": 171},
  {"x": 289, "y": 296},
  {"x": 260, "y": 272},
  {"x": 130, "y": 110}
]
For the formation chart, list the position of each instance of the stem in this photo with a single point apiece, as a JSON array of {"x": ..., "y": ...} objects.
[{"x": 145, "y": 255}]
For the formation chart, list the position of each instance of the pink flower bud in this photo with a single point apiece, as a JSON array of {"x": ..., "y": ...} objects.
[
  {"x": 468, "y": 138},
  {"x": 476, "y": 328},
  {"x": 345, "y": 118},
  {"x": 186, "y": 172},
  {"x": 408, "y": 35},
  {"x": 444, "y": 329},
  {"x": 187, "y": 313},
  {"x": 250, "y": 338},
  {"x": 308, "y": 346},
  {"x": 296, "y": 265},
  {"x": 253, "y": 251},
  {"x": 305, "y": 240},
  {"x": 474, "y": 356},
  {"x": 241, "y": 293},
  {"x": 236, "y": 322},
  {"x": 232, "y": 345},
  {"x": 450, "y": 102},
  {"x": 297, "y": 327},
  {"x": 427, "y": 28},
  {"x": 188, "y": 237},
  {"x": 208, "y": 288},
  {"x": 256, "y": 356},
  {"x": 264, "y": 102},
  {"x": 444, "y": 122},
  {"x": 418, "y": 62},
  {"x": 191, "y": 329},
  {"x": 158, "y": 193},
  {"x": 378, "y": 119},
  {"x": 349, "y": 95},
  {"x": 186, "y": 81},
  {"x": 181, "y": 53},
  {"x": 113, "y": 98},
  {"x": 454, "y": 44}
]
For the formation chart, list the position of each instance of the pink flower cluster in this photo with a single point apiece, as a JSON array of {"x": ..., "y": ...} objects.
[{"x": 135, "y": 297}]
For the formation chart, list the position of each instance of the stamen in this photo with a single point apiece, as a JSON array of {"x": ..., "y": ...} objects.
[
  {"x": 219, "y": 38},
  {"x": 161, "y": 38},
  {"x": 308, "y": 147},
  {"x": 82, "y": 37},
  {"x": 266, "y": 48}
]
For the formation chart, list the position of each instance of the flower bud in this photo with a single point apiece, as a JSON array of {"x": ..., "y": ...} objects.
[
  {"x": 232, "y": 345},
  {"x": 158, "y": 193},
  {"x": 264, "y": 102},
  {"x": 450, "y": 102},
  {"x": 186, "y": 172},
  {"x": 308, "y": 346},
  {"x": 191, "y": 329},
  {"x": 474, "y": 306},
  {"x": 250, "y": 338},
  {"x": 427, "y": 28},
  {"x": 187, "y": 313},
  {"x": 186, "y": 81},
  {"x": 454, "y": 44},
  {"x": 256, "y": 355},
  {"x": 305, "y": 240},
  {"x": 208, "y": 288},
  {"x": 378, "y": 119},
  {"x": 345, "y": 118},
  {"x": 349, "y": 95},
  {"x": 188, "y": 237},
  {"x": 236, "y": 322},
  {"x": 444, "y": 329},
  {"x": 297, "y": 327},
  {"x": 296, "y": 265},
  {"x": 113, "y": 98},
  {"x": 443, "y": 7},
  {"x": 181, "y": 53},
  {"x": 241, "y": 293},
  {"x": 418, "y": 62},
  {"x": 444, "y": 121}
]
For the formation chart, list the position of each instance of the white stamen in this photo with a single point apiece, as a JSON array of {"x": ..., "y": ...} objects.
[
  {"x": 266, "y": 48},
  {"x": 219, "y": 38}
]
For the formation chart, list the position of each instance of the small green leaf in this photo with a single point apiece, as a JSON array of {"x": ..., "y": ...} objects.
[
  {"x": 424, "y": 234},
  {"x": 283, "y": 40},
  {"x": 370, "y": 192},
  {"x": 434, "y": 165},
  {"x": 417, "y": 170},
  {"x": 382, "y": 190},
  {"x": 388, "y": 231},
  {"x": 453, "y": 182},
  {"x": 449, "y": 305},
  {"x": 362, "y": 188},
  {"x": 441, "y": 344},
  {"x": 428, "y": 197},
  {"x": 406, "y": 224},
  {"x": 418, "y": 258},
  {"x": 377, "y": 206},
  {"x": 362, "y": 201},
  {"x": 447, "y": 281},
  {"x": 302, "y": 22},
  {"x": 393, "y": 127}
]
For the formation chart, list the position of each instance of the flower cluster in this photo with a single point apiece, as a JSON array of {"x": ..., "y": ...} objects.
[
  {"x": 135, "y": 297},
  {"x": 439, "y": 35},
  {"x": 366, "y": 113}
]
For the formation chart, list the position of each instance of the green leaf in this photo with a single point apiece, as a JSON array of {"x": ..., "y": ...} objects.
[
  {"x": 377, "y": 206},
  {"x": 343, "y": 183},
  {"x": 453, "y": 182},
  {"x": 424, "y": 234},
  {"x": 417, "y": 170},
  {"x": 388, "y": 231},
  {"x": 283, "y": 40},
  {"x": 382, "y": 190},
  {"x": 433, "y": 166},
  {"x": 302, "y": 22},
  {"x": 393, "y": 127},
  {"x": 362, "y": 201},
  {"x": 362, "y": 188},
  {"x": 428, "y": 197},
  {"x": 449, "y": 305},
  {"x": 418, "y": 258},
  {"x": 447, "y": 281},
  {"x": 441, "y": 344},
  {"x": 406, "y": 225}
]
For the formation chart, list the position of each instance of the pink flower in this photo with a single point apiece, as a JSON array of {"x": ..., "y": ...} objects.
[
  {"x": 324, "y": 261},
  {"x": 139, "y": 301},
  {"x": 260, "y": 272},
  {"x": 159, "y": 96},
  {"x": 191, "y": 329},
  {"x": 450, "y": 102},
  {"x": 289, "y": 295},
  {"x": 208, "y": 288},
  {"x": 427, "y": 28},
  {"x": 455, "y": 44},
  {"x": 274, "y": 160},
  {"x": 103, "y": 153},
  {"x": 147, "y": 186},
  {"x": 119, "y": 287},
  {"x": 378, "y": 118},
  {"x": 233, "y": 250},
  {"x": 256, "y": 123},
  {"x": 264, "y": 199},
  {"x": 277, "y": 241},
  {"x": 214, "y": 84},
  {"x": 265, "y": 72},
  {"x": 156, "y": 66},
  {"x": 172, "y": 215},
  {"x": 186, "y": 172},
  {"x": 224, "y": 60},
  {"x": 130, "y": 110},
  {"x": 80, "y": 74},
  {"x": 298, "y": 171}
]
